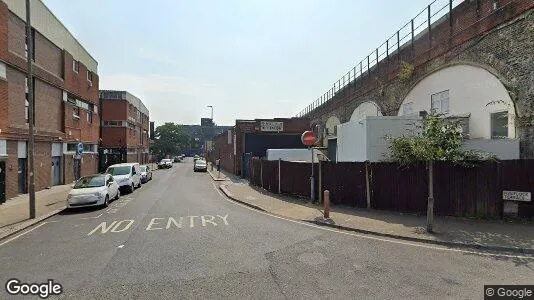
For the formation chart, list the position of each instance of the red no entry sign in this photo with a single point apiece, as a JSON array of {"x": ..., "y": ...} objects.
[{"x": 308, "y": 138}]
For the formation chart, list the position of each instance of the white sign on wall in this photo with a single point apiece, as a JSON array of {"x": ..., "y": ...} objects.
[
  {"x": 516, "y": 196},
  {"x": 272, "y": 126}
]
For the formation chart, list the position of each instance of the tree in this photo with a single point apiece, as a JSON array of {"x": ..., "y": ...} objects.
[
  {"x": 434, "y": 139},
  {"x": 170, "y": 139}
]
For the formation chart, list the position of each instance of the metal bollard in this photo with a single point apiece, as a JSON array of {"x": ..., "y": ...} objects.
[{"x": 326, "y": 200}]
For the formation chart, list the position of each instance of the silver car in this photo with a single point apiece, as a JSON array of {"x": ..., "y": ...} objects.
[
  {"x": 200, "y": 165},
  {"x": 93, "y": 190}
]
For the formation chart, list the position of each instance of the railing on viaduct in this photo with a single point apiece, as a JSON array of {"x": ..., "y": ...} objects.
[{"x": 417, "y": 30}]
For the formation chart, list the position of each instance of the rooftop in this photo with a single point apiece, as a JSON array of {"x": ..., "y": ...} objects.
[{"x": 124, "y": 95}]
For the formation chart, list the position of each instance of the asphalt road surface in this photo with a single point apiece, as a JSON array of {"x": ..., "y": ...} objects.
[{"x": 178, "y": 237}]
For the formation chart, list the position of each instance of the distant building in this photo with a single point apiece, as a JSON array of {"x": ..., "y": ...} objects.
[
  {"x": 65, "y": 85},
  {"x": 125, "y": 128},
  {"x": 206, "y": 131}
]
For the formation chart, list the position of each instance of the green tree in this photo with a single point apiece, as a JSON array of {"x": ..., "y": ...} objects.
[
  {"x": 170, "y": 139},
  {"x": 434, "y": 139}
]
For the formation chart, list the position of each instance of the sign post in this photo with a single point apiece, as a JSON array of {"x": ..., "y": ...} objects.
[{"x": 308, "y": 139}]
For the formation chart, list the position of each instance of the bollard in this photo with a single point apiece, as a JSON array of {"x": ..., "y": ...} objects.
[{"x": 326, "y": 200}]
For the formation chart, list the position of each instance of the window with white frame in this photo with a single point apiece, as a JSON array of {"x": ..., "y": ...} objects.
[
  {"x": 76, "y": 113},
  {"x": 75, "y": 66},
  {"x": 89, "y": 76},
  {"x": 439, "y": 102},
  {"x": 89, "y": 117},
  {"x": 499, "y": 125}
]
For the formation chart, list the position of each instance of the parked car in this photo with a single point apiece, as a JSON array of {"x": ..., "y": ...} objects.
[
  {"x": 195, "y": 158},
  {"x": 128, "y": 175},
  {"x": 177, "y": 159},
  {"x": 165, "y": 163},
  {"x": 200, "y": 165},
  {"x": 146, "y": 174},
  {"x": 93, "y": 190}
]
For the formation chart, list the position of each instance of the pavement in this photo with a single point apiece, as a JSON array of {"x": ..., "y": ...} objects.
[
  {"x": 15, "y": 214},
  {"x": 449, "y": 231},
  {"x": 179, "y": 237}
]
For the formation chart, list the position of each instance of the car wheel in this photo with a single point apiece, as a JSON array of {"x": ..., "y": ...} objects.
[
  {"x": 118, "y": 194},
  {"x": 106, "y": 202},
  {"x": 139, "y": 184},
  {"x": 132, "y": 188}
]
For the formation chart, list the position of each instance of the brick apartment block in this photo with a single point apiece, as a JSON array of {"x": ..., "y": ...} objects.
[
  {"x": 125, "y": 127},
  {"x": 66, "y": 101}
]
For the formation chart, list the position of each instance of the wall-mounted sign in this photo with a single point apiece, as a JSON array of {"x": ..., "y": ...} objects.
[
  {"x": 272, "y": 126},
  {"x": 516, "y": 196}
]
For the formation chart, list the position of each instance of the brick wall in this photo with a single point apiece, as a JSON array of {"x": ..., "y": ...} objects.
[
  {"x": 500, "y": 42},
  {"x": 111, "y": 136},
  {"x": 16, "y": 96},
  {"x": 89, "y": 165},
  {"x": 4, "y": 21},
  {"x": 114, "y": 110},
  {"x": 49, "y": 108},
  {"x": 16, "y": 35},
  {"x": 48, "y": 56},
  {"x": 80, "y": 129},
  {"x": 4, "y": 105},
  {"x": 224, "y": 151},
  {"x": 77, "y": 83}
]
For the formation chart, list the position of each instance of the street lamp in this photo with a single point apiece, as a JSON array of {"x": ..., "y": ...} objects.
[{"x": 211, "y": 106}]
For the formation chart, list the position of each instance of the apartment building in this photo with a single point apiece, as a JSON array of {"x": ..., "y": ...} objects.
[
  {"x": 66, "y": 101},
  {"x": 125, "y": 128}
]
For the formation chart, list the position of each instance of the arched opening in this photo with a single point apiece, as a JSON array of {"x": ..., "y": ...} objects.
[
  {"x": 368, "y": 108},
  {"x": 468, "y": 93}
]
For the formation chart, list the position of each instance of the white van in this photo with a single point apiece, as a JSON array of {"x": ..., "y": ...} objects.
[
  {"x": 296, "y": 155},
  {"x": 127, "y": 176}
]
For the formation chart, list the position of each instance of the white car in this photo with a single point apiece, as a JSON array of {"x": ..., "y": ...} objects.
[
  {"x": 200, "y": 165},
  {"x": 128, "y": 175},
  {"x": 93, "y": 190}
]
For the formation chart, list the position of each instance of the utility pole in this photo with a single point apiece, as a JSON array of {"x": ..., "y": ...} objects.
[{"x": 31, "y": 110}]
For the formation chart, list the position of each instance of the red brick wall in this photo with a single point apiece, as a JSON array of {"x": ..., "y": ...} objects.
[
  {"x": 4, "y": 105},
  {"x": 4, "y": 21},
  {"x": 77, "y": 83},
  {"x": 89, "y": 165},
  {"x": 48, "y": 56},
  {"x": 111, "y": 136},
  {"x": 16, "y": 35},
  {"x": 225, "y": 151},
  {"x": 17, "y": 96},
  {"x": 114, "y": 110},
  {"x": 48, "y": 107},
  {"x": 80, "y": 129}
]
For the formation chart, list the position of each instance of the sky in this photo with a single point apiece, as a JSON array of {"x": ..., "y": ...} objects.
[{"x": 247, "y": 58}]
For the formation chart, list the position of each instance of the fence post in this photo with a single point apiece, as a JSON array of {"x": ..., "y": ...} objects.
[
  {"x": 261, "y": 172},
  {"x": 320, "y": 181},
  {"x": 367, "y": 185},
  {"x": 429, "y": 30},
  {"x": 279, "y": 176},
  {"x": 430, "y": 207}
]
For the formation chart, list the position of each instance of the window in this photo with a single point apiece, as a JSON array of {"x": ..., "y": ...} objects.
[
  {"x": 75, "y": 66},
  {"x": 71, "y": 147},
  {"x": 89, "y": 117},
  {"x": 499, "y": 125},
  {"x": 26, "y": 110},
  {"x": 439, "y": 102},
  {"x": 76, "y": 113},
  {"x": 407, "y": 109},
  {"x": 3, "y": 71}
]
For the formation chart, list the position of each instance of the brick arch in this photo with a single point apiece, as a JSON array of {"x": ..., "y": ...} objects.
[{"x": 505, "y": 80}]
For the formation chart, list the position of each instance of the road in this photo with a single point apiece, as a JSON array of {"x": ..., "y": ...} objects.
[{"x": 178, "y": 237}]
